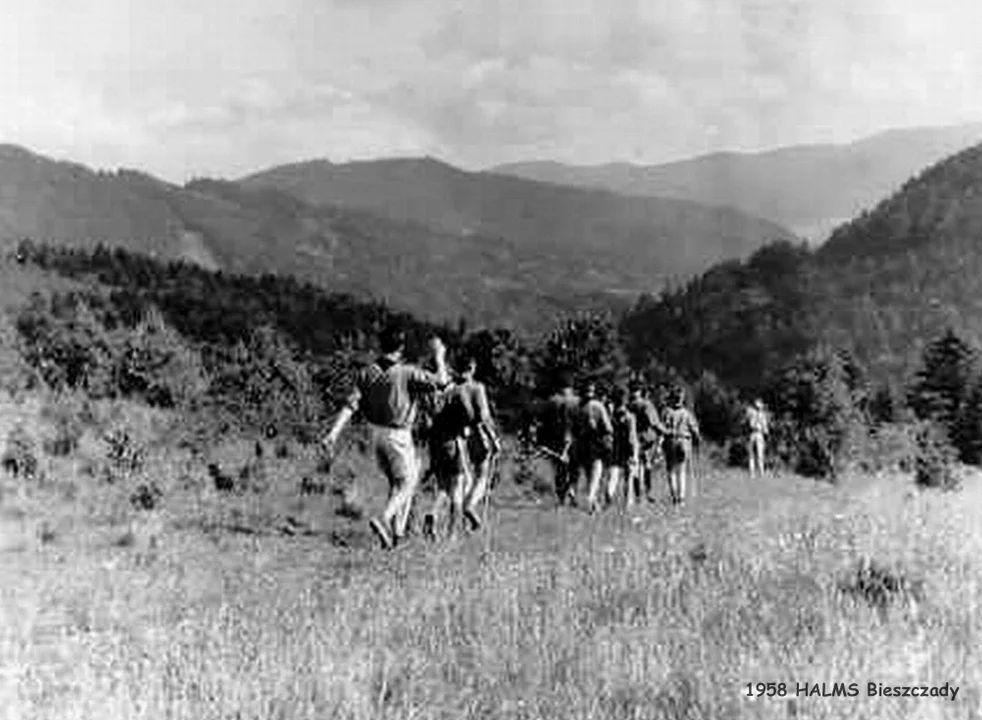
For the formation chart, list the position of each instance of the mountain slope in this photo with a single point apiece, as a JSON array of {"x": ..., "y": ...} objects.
[
  {"x": 66, "y": 202},
  {"x": 883, "y": 286},
  {"x": 630, "y": 243},
  {"x": 895, "y": 276},
  {"x": 809, "y": 189},
  {"x": 221, "y": 225}
]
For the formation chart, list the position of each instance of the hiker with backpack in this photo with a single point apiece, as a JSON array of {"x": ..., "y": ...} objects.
[
  {"x": 481, "y": 439},
  {"x": 650, "y": 433},
  {"x": 463, "y": 443},
  {"x": 387, "y": 393},
  {"x": 554, "y": 438},
  {"x": 593, "y": 439},
  {"x": 625, "y": 457},
  {"x": 448, "y": 471},
  {"x": 681, "y": 431},
  {"x": 758, "y": 425}
]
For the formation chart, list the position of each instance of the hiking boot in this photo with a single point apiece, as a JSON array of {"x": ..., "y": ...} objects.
[
  {"x": 473, "y": 518},
  {"x": 429, "y": 527},
  {"x": 381, "y": 533}
]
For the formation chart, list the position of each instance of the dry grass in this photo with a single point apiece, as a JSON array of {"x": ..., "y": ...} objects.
[{"x": 212, "y": 609}]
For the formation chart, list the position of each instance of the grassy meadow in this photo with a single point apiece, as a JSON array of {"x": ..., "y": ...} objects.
[{"x": 265, "y": 602}]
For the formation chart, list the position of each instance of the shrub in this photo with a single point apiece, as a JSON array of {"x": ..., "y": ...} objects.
[
  {"x": 891, "y": 447},
  {"x": 221, "y": 480},
  {"x": 718, "y": 408},
  {"x": 69, "y": 414},
  {"x": 253, "y": 477},
  {"x": 263, "y": 383},
  {"x": 156, "y": 365},
  {"x": 737, "y": 453},
  {"x": 124, "y": 454},
  {"x": 308, "y": 486},
  {"x": 67, "y": 342},
  {"x": 934, "y": 462},
  {"x": 146, "y": 496},
  {"x": 817, "y": 423},
  {"x": 881, "y": 587},
  {"x": 20, "y": 456}
]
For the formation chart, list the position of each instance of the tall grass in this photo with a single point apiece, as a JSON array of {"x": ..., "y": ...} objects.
[{"x": 549, "y": 614}]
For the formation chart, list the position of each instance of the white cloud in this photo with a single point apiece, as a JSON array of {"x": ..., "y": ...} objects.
[{"x": 227, "y": 86}]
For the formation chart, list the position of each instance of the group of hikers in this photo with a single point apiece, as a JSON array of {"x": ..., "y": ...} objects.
[{"x": 624, "y": 440}]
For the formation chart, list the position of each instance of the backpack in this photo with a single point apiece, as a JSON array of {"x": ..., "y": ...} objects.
[{"x": 677, "y": 424}]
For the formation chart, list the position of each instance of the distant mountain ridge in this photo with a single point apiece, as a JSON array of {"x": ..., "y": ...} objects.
[
  {"x": 629, "y": 242},
  {"x": 809, "y": 188},
  {"x": 440, "y": 274}
]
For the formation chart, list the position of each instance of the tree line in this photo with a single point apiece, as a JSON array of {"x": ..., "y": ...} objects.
[{"x": 273, "y": 351}]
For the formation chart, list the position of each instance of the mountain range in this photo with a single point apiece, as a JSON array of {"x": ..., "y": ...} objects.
[
  {"x": 809, "y": 188},
  {"x": 419, "y": 234},
  {"x": 490, "y": 248}
]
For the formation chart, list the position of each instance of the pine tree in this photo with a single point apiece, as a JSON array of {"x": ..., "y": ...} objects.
[
  {"x": 968, "y": 437},
  {"x": 941, "y": 386}
]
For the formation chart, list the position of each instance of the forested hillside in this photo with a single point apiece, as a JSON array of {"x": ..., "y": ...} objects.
[
  {"x": 489, "y": 275},
  {"x": 883, "y": 286},
  {"x": 629, "y": 243}
]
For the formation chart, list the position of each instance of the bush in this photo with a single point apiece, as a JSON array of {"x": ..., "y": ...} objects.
[
  {"x": 264, "y": 384},
  {"x": 66, "y": 341},
  {"x": 156, "y": 365},
  {"x": 20, "y": 456},
  {"x": 737, "y": 453},
  {"x": 124, "y": 454},
  {"x": 881, "y": 587},
  {"x": 69, "y": 414},
  {"x": 890, "y": 447},
  {"x": 935, "y": 459},
  {"x": 146, "y": 496},
  {"x": 718, "y": 408},
  {"x": 816, "y": 422}
]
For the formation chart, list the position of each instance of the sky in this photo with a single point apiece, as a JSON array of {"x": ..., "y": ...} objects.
[{"x": 221, "y": 88}]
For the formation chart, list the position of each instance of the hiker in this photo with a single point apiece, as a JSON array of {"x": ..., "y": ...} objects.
[
  {"x": 681, "y": 431},
  {"x": 554, "y": 436},
  {"x": 625, "y": 457},
  {"x": 759, "y": 427},
  {"x": 387, "y": 393},
  {"x": 650, "y": 433},
  {"x": 593, "y": 437},
  {"x": 481, "y": 435},
  {"x": 464, "y": 443},
  {"x": 448, "y": 469}
]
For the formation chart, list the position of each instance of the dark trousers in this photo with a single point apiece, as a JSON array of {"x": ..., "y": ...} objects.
[{"x": 565, "y": 479}]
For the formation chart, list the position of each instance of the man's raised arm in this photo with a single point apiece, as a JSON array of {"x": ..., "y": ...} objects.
[{"x": 341, "y": 421}]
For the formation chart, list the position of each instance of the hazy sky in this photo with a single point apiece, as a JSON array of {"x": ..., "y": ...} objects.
[{"x": 223, "y": 87}]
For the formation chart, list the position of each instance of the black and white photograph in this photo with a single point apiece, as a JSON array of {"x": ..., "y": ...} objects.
[{"x": 479, "y": 359}]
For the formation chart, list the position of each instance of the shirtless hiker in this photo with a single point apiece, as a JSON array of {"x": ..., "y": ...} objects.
[{"x": 759, "y": 427}]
